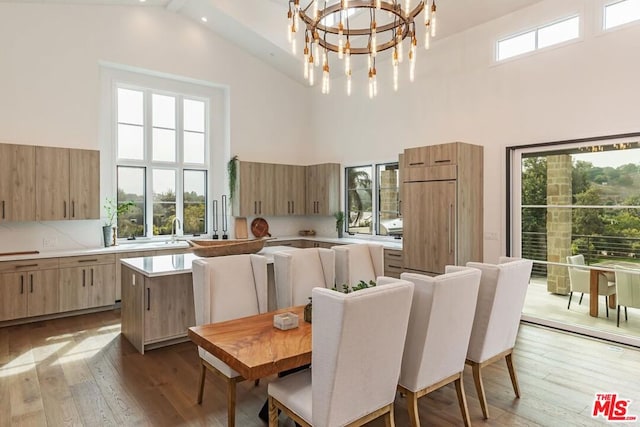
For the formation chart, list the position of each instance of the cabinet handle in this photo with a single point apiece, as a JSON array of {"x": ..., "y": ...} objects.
[
  {"x": 394, "y": 266},
  {"x": 293, "y": 209},
  {"x": 31, "y": 283},
  {"x": 288, "y": 206},
  {"x": 88, "y": 260},
  {"x": 84, "y": 278},
  {"x": 394, "y": 255},
  {"x": 21, "y": 284},
  {"x": 450, "y": 226},
  {"x": 260, "y": 206},
  {"x": 73, "y": 209},
  {"x": 148, "y": 299},
  {"x": 416, "y": 164},
  {"x": 3, "y": 209},
  {"x": 64, "y": 205},
  {"x": 442, "y": 161},
  {"x": 92, "y": 277},
  {"x": 26, "y": 266},
  {"x": 255, "y": 207}
]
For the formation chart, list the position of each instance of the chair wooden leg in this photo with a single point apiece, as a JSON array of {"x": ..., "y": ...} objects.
[
  {"x": 462, "y": 401},
  {"x": 203, "y": 372},
  {"x": 606, "y": 304},
  {"x": 256, "y": 383},
  {"x": 581, "y": 295},
  {"x": 231, "y": 403},
  {"x": 389, "y": 418},
  {"x": 512, "y": 374},
  {"x": 412, "y": 407},
  {"x": 570, "y": 295},
  {"x": 477, "y": 379},
  {"x": 626, "y": 319},
  {"x": 273, "y": 413}
]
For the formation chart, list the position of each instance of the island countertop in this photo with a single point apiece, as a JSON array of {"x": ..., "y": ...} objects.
[{"x": 166, "y": 265}]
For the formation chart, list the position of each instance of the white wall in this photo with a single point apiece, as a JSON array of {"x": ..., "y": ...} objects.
[
  {"x": 50, "y": 89},
  {"x": 582, "y": 89}
]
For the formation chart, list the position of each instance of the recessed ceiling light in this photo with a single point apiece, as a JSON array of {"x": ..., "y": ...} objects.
[
  {"x": 142, "y": 1},
  {"x": 203, "y": 19}
]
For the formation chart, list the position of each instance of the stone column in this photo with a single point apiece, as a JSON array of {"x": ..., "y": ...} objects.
[
  {"x": 388, "y": 194},
  {"x": 558, "y": 221}
]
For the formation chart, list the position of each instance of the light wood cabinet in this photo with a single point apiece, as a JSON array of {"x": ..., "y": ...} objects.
[
  {"x": 156, "y": 310},
  {"x": 443, "y": 206},
  {"x": 323, "y": 189},
  {"x": 290, "y": 190},
  {"x": 255, "y": 191},
  {"x": 393, "y": 263},
  {"x": 28, "y": 288},
  {"x": 67, "y": 184},
  {"x": 17, "y": 183},
  {"x": 87, "y": 282}
]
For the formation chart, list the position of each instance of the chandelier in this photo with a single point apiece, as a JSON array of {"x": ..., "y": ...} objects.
[{"x": 358, "y": 27}]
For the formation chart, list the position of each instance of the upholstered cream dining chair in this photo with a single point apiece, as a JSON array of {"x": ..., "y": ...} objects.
[
  {"x": 297, "y": 272},
  {"x": 503, "y": 288},
  {"x": 358, "y": 339},
  {"x": 437, "y": 340},
  {"x": 358, "y": 262},
  {"x": 226, "y": 288},
  {"x": 627, "y": 290},
  {"x": 579, "y": 281}
]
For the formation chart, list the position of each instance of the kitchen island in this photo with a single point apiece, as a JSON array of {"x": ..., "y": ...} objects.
[{"x": 157, "y": 297}]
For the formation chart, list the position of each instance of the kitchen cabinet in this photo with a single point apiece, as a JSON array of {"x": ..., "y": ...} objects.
[
  {"x": 87, "y": 282},
  {"x": 255, "y": 189},
  {"x": 156, "y": 310},
  {"x": 290, "y": 190},
  {"x": 323, "y": 189},
  {"x": 67, "y": 184},
  {"x": 17, "y": 183},
  {"x": 393, "y": 263},
  {"x": 28, "y": 288},
  {"x": 443, "y": 205}
]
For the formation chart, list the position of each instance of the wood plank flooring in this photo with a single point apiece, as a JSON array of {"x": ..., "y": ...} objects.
[{"x": 81, "y": 371}]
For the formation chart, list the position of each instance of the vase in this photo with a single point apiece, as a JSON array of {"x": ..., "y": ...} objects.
[
  {"x": 340, "y": 231},
  {"x": 107, "y": 235},
  {"x": 307, "y": 312}
]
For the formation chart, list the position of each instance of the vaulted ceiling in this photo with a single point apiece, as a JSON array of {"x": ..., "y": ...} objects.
[{"x": 259, "y": 26}]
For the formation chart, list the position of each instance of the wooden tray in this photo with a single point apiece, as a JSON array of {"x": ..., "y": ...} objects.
[{"x": 211, "y": 248}]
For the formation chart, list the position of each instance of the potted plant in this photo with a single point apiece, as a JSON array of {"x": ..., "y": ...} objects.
[
  {"x": 113, "y": 210},
  {"x": 339, "y": 216}
]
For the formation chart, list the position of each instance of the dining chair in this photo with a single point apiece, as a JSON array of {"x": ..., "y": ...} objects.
[
  {"x": 297, "y": 272},
  {"x": 226, "y": 288},
  {"x": 627, "y": 290},
  {"x": 501, "y": 295},
  {"x": 435, "y": 349},
  {"x": 579, "y": 281},
  {"x": 358, "y": 262},
  {"x": 357, "y": 344}
]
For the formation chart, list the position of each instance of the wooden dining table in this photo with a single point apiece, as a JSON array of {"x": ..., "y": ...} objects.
[{"x": 253, "y": 347}]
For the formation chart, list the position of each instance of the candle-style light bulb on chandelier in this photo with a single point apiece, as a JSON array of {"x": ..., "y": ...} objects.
[{"x": 358, "y": 27}]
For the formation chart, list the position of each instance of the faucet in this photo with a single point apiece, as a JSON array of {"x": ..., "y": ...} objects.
[{"x": 174, "y": 229}]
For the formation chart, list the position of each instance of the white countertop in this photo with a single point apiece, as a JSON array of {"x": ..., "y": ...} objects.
[
  {"x": 151, "y": 246},
  {"x": 166, "y": 265}
]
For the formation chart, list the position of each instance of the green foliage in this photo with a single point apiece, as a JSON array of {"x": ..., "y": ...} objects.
[
  {"x": 359, "y": 194},
  {"x": 113, "y": 210},
  {"x": 534, "y": 192},
  {"x": 346, "y": 289},
  {"x": 232, "y": 170},
  {"x": 339, "y": 216}
]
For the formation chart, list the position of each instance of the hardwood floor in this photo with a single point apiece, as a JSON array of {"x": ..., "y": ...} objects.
[{"x": 81, "y": 371}]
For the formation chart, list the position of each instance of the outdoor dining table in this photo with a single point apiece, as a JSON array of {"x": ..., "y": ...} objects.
[
  {"x": 253, "y": 347},
  {"x": 608, "y": 268}
]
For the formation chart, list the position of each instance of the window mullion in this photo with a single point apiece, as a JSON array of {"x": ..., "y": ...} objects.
[{"x": 148, "y": 156}]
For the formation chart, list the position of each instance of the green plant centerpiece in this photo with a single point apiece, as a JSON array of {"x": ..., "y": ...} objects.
[
  {"x": 112, "y": 210},
  {"x": 345, "y": 289},
  {"x": 339, "y": 216}
]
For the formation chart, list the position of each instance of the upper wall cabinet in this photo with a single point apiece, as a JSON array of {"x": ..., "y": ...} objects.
[
  {"x": 255, "y": 189},
  {"x": 323, "y": 189},
  {"x": 290, "y": 185},
  {"x": 67, "y": 184},
  {"x": 17, "y": 183}
]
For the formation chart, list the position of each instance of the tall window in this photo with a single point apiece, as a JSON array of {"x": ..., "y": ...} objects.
[
  {"x": 162, "y": 161},
  {"x": 372, "y": 193},
  {"x": 539, "y": 38}
]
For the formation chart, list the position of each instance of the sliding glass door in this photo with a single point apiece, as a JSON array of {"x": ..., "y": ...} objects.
[{"x": 577, "y": 198}]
